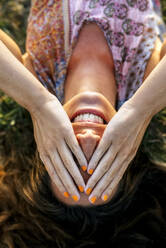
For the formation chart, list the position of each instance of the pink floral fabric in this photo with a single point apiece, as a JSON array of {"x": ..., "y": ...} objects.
[
  {"x": 124, "y": 24},
  {"x": 129, "y": 26}
]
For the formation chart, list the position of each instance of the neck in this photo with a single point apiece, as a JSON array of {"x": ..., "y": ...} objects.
[{"x": 90, "y": 72}]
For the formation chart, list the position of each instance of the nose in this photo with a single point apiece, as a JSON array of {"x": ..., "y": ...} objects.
[{"x": 88, "y": 141}]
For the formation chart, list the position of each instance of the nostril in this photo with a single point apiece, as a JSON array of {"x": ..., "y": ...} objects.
[{"x": 88, "y": 142}]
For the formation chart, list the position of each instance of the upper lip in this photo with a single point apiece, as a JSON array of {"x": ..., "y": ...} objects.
[{"x": 90, "y": 111}]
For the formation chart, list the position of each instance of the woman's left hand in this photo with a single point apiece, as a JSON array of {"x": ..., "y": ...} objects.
[{"x": 116, "y": 149}]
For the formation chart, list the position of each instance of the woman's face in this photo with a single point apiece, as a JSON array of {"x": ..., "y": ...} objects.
[{"x": 89, "y": 113}]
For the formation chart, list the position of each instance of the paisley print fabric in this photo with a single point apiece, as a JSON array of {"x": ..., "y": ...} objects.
[
  {"x": 129, "y": 26},
  {"x": 45, "y": 44}
]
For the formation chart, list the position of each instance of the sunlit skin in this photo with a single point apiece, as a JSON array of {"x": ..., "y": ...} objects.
[{"x": 90, "y": 85}]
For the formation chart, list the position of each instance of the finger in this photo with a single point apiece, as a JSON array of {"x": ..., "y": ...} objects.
[
  {"x": 54, "y": 177},
  {"x": 125, "y": 155},
  {"x": 70, "y": 164},
  {"x": 111, "y": 188},
  {"x": 118, "y": 168},
  {"x": 101, "y": 149},
  {"x": 117, "y": 171},
  {"x": 105, "y": 181},
  {"x": 77, "y": 151},
  {"x": 101, "y": 169},
  {"x": 64, "y": 176}
]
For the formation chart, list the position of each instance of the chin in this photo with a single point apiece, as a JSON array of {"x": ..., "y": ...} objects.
[{"x": 89, "y": 103}]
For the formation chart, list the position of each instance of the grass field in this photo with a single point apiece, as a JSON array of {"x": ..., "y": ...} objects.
[{"x": 16, "y": 131}]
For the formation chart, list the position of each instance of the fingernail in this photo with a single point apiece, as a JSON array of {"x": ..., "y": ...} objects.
[
  {"x": 90, "y": 171},
  {"x": 105, "y": 197},
  {"x": 93, "y": 199},
  {"x": 81, "y": 188},
  {"x": 88, "y": 191},
  {"x": 84, "y": 168},
  {"x": 75, "y": 198},
  {"x": 66, "y": 194}
]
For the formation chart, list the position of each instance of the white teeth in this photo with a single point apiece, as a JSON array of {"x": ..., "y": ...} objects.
[
  {"x": 85, "y": 117},
  {"x": 89, "y": 117},
  {"x": 78, "y": 118},
  {"x": 98, "y": 118}
]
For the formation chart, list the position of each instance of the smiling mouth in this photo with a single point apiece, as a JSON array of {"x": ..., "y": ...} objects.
[{"x": 93, "y": 116}]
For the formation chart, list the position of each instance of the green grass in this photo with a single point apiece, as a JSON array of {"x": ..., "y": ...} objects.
[
  {"x": 13, "y": 19},
  {"x": 163, "y": 4},
  {"x": 16, "y": 130}
]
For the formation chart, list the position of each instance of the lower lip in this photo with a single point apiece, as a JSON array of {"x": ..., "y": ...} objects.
[{"x": 88, "y": 124}]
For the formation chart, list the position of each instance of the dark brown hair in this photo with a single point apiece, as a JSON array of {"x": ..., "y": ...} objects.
[{"x": 32, "y": 217}]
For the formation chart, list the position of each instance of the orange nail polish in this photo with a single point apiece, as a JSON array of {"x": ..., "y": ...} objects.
[
  {"x": 105, "y": 197},
  {"x": 75, "y": 198},
  {"x": 90, "y": 171},
  {"x": 81, "y": 188},
  {"x": 93, "y": 199},
  {"x": 66, "y": 194},
  {"x": 88, "y": 191},
  {"x": 84, "y": 168}
]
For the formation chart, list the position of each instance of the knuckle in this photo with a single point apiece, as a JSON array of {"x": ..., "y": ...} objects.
[
  {"x": 69, "y": 187},
  {"x": 58, "y": 169},
  {"x": 106, "y": 167},
  {"x": 106, "y": 138},
  {"x": 61, "y": 188},
  {"x": 116, "y": 143},
  {"x": 109, "y": 190},
  {"x": 67, "y": 183},
  {"x": 97, "y": 155},
  {"x": 43, "y": 156},
  {"x": 75, "y": 175},
  {"x": 59, "y": 185},
  {"x": 47, "y": 145},
  {"x": 66, "y": 162},
  {"x": 124, "y": 154},
  {"x": 113, "y": 149},
  {"x": 113, "y": 137},
  {"x": 92, "y": 183},
  {"x": 113, "y": 134},
  {"x": 74, "y": 146},
  {"x": 51, "y": 171},
  {"x": 108, "y": 176},
  {"x": 67, "y": 130},
  {"x": 118, "y": 178},
  {"x": 99, "y": 189},
  {"x": 133, "y": 151}
]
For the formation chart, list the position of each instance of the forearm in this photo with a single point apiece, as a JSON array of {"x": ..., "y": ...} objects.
[
  {"x": 19, "y": 83},
  {"x": 151, "y": 96},
  {"x": 11, "y": 45}
]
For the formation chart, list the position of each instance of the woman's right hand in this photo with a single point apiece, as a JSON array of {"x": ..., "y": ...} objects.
[{"x": 56, "y": 142}]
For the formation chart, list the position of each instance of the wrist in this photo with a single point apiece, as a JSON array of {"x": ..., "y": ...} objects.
[
  {"x": 35, "y": 106},
  {"x": 140, "y": 109}
]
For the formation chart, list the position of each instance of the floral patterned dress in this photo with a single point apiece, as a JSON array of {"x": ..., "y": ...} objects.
[{"x": 129, "y": 26}]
